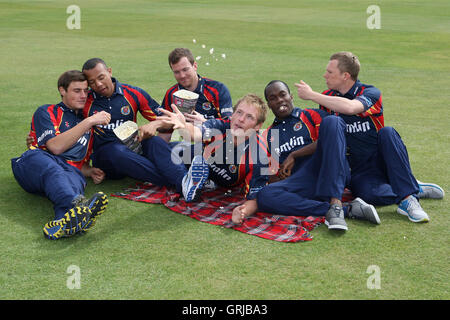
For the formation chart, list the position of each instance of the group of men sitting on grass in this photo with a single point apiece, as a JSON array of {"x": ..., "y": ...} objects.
[{"x": 300, "y": 165}]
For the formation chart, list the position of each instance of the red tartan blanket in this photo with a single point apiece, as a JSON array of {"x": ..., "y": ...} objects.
[{"x": 215, "y": 207}]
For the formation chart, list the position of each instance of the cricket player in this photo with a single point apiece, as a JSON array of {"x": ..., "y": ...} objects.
[
  {"x": 380, "y": 170},
  {"x": 214, "y": 101},
  {"x": 122, "y": 102},
  {"x": 57, "y": 163},
  {"x": 311, "y": 149},
  {"x": 229, "y": 152}
]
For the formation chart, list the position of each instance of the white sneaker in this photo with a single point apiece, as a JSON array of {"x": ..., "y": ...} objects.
[
  {"x": 411, "y": 208},
  {"x": 430, "y": 191},
  {"x": 195, "y": 178}
]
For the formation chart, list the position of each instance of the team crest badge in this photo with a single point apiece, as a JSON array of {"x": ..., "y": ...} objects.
[
  {"x": 298, "y": 126},
  {"x": 232, "y": 168},
  {"x": 125, "y": 110},
  {"x": 206, "y": 106}
]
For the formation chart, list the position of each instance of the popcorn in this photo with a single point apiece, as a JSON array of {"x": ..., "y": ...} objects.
[
  {"x": 128, "y": 134},
  {"x": 185, "y": 100}
]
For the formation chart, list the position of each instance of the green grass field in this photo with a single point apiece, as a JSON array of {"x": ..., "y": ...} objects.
[{"x": 142, "y": 251}]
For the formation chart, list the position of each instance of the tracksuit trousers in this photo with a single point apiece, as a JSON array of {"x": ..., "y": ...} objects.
[
  {"x": 42, "y": 173},
  {"x": 323, "y": 176},
  {"x": 386, "y": 177},
  {"x": 158, "y": 164}
]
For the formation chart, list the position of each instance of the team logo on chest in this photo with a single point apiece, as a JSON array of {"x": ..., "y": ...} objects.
[
  {"x": 232, "y": 168},
  {"x": 125, "y": 110},
  {"x": 298, "y": 126},
  {"x": 206, "y": 106}
]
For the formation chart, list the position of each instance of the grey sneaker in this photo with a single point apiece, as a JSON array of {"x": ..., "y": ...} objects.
[
  {"x": 334, "y": 218},
  {"x": 359, "y": 209},
  {"x": 195, "y": 178},
  {"x": 411, "y": 208},
  {"x": 430, "y": 191}
]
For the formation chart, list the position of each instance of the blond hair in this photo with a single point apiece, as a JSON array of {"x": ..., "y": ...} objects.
[{"x": 256, "y": 101}]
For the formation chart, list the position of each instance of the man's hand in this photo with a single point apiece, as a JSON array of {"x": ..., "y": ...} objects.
[
  {"x": 248, "y": 208},
  {"x": 29, "y": 141},
  {"x": 194, "y": 117},
  {"x": 100, "y": 118},
  {"x": 148, "y": 130},
  {"x": 175, "y": 118},
  {"x": 304, "y": 91},
  {"x": 97, "y": 175},
  {"x": 286, "y": 167}
]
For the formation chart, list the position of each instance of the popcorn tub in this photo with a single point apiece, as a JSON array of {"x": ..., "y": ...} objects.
[
  {"x": 128, "y": 134},
  {"x": 185, "y": 100}
]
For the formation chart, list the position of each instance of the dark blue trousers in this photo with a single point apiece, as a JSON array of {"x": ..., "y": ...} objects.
[
  {"x": 42, "y": 173},
  {"x": 323, "y": 176},
  {"x": 386, "y": 178},
  {"x": 157, "y": 164}
]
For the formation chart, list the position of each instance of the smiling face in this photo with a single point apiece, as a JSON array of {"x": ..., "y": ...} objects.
[
  {"x": 99, "y": 79},
  {"x": 185, "y": 73},
  {"x": 279, "y": 99},
  {"x": 75, "y": 96}
]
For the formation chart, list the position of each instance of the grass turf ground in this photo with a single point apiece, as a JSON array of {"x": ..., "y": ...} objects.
[{"x": 141, "y": 251}]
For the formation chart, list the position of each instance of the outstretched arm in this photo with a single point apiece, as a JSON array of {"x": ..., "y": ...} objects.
[
  {"x": 188, "y": 130},
  {"x": 336, "y": 104}
]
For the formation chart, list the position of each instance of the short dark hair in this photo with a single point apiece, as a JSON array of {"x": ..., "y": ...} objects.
[
  {"x": 273, "y": 82},
  {"x": 70, "y": 76},
  {"x": 91, "y": 63},
  {"x": 178, "y": 53}
]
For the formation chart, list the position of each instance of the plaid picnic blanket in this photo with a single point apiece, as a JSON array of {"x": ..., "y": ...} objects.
[{"x": 215, "y": 207}]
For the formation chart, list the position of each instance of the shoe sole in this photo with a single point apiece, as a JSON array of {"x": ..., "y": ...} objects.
[
  {"x": 99, "y": 204},
  {"x": 199, "y": 175},
  {"x": 98, "y": 207},
  {"x": 405, "y": 213},
  {"x": 75, "y": 220},
  {"x": 56, "y": 235},
  {"x": 336, "y": 226}
]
